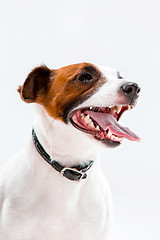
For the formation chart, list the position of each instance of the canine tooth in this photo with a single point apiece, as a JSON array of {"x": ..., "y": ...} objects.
[
  {"x": 119, "y": 109},
  {"x": 90, "y": 108}
]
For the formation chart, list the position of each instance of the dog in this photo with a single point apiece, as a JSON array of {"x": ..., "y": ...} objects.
[{"x": 54, "y": 188}]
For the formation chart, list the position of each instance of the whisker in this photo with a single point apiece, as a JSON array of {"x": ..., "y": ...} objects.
[{"x": 52, "y": 122}]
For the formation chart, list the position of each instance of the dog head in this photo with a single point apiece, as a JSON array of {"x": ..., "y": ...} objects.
[{"x": 86, "y": 97}]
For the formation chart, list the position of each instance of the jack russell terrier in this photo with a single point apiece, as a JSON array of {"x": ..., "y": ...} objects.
[{"x": 54, "y": 188}]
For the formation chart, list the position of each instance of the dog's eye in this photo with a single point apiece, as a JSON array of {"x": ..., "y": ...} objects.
[
  {"x": 119, "y": 76},
  {"x": 85, "y": 77}
]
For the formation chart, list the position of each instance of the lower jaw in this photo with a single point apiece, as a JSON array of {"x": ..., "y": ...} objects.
[{"x": 107, "y": 142}]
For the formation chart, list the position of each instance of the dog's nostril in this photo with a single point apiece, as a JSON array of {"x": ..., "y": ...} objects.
[
  {"x": 138, "y": 90},
  {"x": 131, "y": 89},
  {"x": 128, "y": 89}
]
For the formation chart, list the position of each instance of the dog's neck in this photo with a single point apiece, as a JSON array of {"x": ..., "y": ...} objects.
[{"x": 63, "y": 142}]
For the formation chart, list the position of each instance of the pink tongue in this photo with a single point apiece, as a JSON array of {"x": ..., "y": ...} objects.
[{"x": 108, "y": 122}]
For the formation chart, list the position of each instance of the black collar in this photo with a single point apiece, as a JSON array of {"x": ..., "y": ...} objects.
[{"x": 74, "y": 173}]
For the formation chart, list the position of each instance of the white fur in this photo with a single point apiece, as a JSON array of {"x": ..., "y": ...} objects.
[
  {"x": 108, "y": 94},
  {"x": 37, "y": 203}
]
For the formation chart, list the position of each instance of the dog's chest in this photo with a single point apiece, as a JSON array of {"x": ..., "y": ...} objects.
[
  {"x": 74, "y": 223},
  {"x": 78, "y": 216},
  {"x": 67, "y": 213}
]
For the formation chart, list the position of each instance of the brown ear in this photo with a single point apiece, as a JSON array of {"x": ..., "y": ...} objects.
[{"x": 36, "y": 84}]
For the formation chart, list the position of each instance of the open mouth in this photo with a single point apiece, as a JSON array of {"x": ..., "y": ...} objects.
[{"x": 102, "y": 123}]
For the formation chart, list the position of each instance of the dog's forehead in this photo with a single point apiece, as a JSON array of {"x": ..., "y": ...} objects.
[
  {"x": 107, "y": 71},
  {"x": 73, "y": 69}
]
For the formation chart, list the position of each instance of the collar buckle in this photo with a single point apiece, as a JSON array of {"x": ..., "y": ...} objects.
[{"x": 73, "y": 174}]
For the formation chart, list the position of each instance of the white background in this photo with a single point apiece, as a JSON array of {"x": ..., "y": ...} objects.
[{"x": 122, "y": 34}]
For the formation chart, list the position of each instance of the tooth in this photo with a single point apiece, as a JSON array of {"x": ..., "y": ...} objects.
[
  {"x": 119, "y": 109},
  {"x": 98, "y": 128},
  {"x": 114, "y": 109},
  {"x": 113, "y": 137},
  {"x": 87, "y": 119},
  {"x": 82, "y": 116},
  {"x": 90, "y": 108},
  {"x": 91, "y": 125},
  {"x": 109, "y": 134}
]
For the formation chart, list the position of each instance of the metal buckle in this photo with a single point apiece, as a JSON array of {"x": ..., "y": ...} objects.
[{"x": 72, "y": 171}]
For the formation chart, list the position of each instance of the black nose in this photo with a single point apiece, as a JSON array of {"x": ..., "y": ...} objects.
[{"x": 131, "y": 89}]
